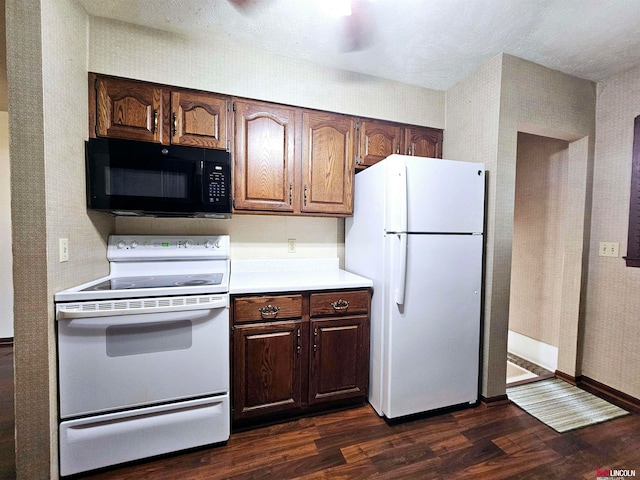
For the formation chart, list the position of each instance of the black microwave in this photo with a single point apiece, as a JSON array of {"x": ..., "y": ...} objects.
[{"x": 128, "y": 177}]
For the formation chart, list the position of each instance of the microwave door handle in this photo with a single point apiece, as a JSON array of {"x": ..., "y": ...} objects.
[{"x": 203, "y": 183}]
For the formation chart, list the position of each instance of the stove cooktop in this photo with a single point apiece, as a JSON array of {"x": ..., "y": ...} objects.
[
  {"x": 144, "y": 266},
  {"x": 158, "y": 281}
]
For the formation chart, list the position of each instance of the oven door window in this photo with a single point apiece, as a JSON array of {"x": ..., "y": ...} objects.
[{"x": 122, "y": 340}]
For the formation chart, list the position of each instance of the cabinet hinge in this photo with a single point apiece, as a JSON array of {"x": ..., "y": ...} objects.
[
  {"x": 234, "y": 106},
  {"x": 228, "y": 145},
  {"x": 228, "y": 105},
  {"x": 234, "y": 203},
  {"x": 358, "y": 159},
  {"x": 357, "y": 125}
]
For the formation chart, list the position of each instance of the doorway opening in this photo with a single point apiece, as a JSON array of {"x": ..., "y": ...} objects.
[{"x": 537, "y": 262}]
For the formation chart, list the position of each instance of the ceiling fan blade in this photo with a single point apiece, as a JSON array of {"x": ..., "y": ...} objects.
[
  {"x": 244, "y": 6},
  {"x": 359, "y": 26}
]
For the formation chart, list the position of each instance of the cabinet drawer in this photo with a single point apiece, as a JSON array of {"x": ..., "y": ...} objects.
[
  {"x": 339, "y": 303},
  {"x": 263, "y": 308}
]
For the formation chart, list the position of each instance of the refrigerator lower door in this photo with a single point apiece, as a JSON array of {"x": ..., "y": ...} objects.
[
  {"x": 113, "y": 438},
  {"x": 432, "y": 340}
]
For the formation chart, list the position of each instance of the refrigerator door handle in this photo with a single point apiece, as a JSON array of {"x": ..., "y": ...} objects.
[{"x": 401, "y": 279}]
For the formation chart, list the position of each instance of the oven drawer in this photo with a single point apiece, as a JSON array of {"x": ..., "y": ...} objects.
[
  {"x": 103, "y": 440},
  {"x": 266, "y": 308}
]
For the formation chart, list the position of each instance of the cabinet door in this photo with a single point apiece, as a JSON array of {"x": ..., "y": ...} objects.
[
  {"x": 378, "y": 140},
  {"x": 327, "y": 163},
  {"x": 423, "y": 142},
  {"x": 339, "y": 362},
  {"x": 266, "y": 368},
  {"x": 199, "y": 119},
  {"x": 131, "y": 110},
  {"x": 264, "y": 157}
]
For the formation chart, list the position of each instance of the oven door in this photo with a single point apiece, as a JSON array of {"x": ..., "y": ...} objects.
[{"x": 123, "y": 355}]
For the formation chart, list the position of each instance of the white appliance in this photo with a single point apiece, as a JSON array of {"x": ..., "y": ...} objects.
[
  {"x": 417, "y": 233},
  {"x": 143, "y": 354}
]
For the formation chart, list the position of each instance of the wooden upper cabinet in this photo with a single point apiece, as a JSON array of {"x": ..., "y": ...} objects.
[
  {"x": 378, "y": 140},
  {"x": 132, "y": 110},
  {"x": 327, "y": 163},
  {"x": 199, "y": 119},
  {"x": 264, "y": 157},
  {"x": 422, "y": 142}
]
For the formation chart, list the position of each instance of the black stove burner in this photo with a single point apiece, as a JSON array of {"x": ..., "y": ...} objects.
[{"x": 159, "y": 281}]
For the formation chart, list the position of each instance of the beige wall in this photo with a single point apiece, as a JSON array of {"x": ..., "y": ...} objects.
[
  {"x": 550, "y": 103},
  {"x": 6, "y": 263},
  {"x": 612, "y": 330},
  {"x": 222, "y": 66},
  {"x": 473, "y": 121},
  {"x": 485, "y": 112},
  {"x": 47, "y": 45},
  {"x": 538, "y": 233}
]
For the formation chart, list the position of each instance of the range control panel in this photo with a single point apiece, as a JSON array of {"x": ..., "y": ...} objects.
[{"x": 152, "y": 247}]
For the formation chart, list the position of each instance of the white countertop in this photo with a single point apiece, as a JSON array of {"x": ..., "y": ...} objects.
[{"x": 284, "y": 275}]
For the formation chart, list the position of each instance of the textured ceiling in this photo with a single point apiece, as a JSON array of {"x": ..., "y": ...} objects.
[{"x": 431, "y": 43}]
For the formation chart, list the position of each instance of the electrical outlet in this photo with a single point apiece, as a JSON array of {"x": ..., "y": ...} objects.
[
  {"x": 608, "y": 249},
  {"x": 291, "y": 245},
  {"x": 64, "y": 249}
]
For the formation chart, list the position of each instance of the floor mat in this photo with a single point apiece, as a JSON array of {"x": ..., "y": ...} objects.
[{"x": 562, "y": 406}]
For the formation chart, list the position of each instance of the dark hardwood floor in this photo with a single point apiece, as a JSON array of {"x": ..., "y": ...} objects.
[
  {"x": 7, "y": 442},
  {"x": 480, "y": 443}
]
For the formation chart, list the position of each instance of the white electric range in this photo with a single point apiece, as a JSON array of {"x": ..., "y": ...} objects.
[{"x": 143, "y": 354}]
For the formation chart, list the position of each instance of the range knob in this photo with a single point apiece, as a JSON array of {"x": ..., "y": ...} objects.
[
  {"x": 188, "y": 244},
  {"x": 121, "y": 244},
  {"x": 134, "y": 244},
  {"x": 208, "y": 244}
]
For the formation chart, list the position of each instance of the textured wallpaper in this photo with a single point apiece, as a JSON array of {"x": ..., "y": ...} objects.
[
  {"x": 226, "y": 67},
  {"x": 611, "y": 328},
  {"x": 485, "y": 112},
  {"x": 473, "y": 118},
  {"x": 47, "y": 54}
]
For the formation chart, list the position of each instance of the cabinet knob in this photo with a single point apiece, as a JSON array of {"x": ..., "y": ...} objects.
[
  {"x": 340, "y": 305},
  {"x": 270, "y": 311}
]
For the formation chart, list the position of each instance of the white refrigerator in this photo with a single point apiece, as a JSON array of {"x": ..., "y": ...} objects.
[{"x": 417, "y": 232}]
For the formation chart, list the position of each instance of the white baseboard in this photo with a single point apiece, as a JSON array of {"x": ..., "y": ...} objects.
[{"x": 533, "y": 350}]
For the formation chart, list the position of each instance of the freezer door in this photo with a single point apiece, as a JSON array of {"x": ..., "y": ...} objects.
[
  {"x": 442, "y": 196},
  {"x": 432, "y": 339}
]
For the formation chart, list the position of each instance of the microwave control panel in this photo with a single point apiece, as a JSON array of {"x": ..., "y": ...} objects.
[{"x": 217, "y": 183}]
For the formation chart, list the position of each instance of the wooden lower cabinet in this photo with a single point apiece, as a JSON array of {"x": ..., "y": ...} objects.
[
  {"x": 339, "y": 366},
  {"x": 267, "y": 368},
  {"x": 298, "y": 352}
]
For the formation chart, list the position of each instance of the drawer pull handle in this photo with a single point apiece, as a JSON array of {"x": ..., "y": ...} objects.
[
  {"x": 270, "y": 311},
  {"x": 340, "y": 305}
]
